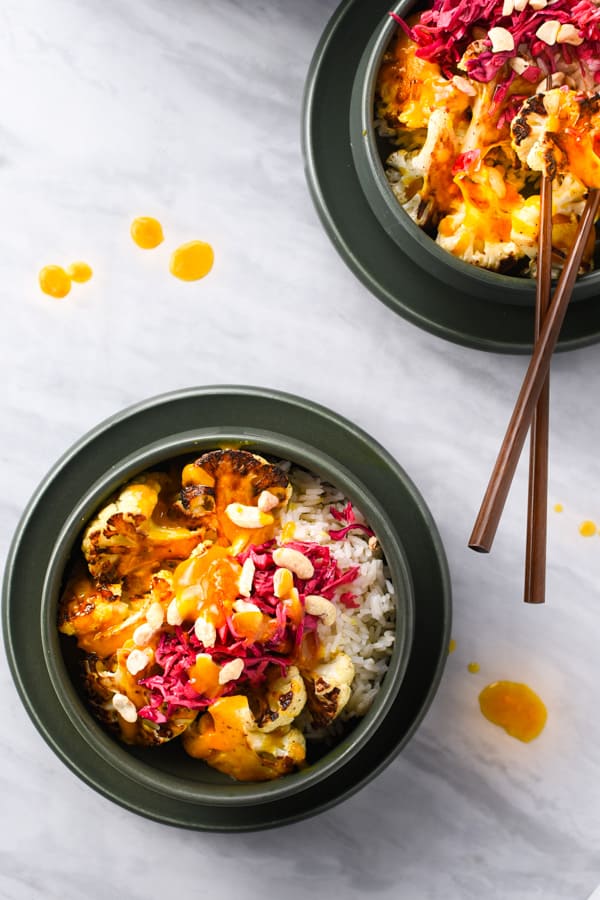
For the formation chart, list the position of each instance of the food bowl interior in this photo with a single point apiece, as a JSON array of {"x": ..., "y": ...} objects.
[
  {"x": 370, "y": 151},
  {"x": 168, "y": 769}
]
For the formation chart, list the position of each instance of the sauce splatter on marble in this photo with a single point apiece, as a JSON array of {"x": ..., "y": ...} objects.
[{"x": 514, "y": 707}]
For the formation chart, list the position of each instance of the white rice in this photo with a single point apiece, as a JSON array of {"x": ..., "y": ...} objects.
[{"x": 366, "y": 634}]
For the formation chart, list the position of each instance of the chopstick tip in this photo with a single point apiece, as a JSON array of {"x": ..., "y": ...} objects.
[{"x": 478, "y": 547}]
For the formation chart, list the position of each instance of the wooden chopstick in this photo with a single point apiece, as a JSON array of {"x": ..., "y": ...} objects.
[
  {"x": 486, "y": 524},
  {"x": 537, "y": 500}
]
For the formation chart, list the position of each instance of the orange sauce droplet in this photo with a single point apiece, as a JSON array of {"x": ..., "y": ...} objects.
[
  {"x": 514, "y": 707},
  {"x": 254, "y": 626},
  {"x": 473, "y": 667},
  {"x": 223, "y": 727},
  {"x": 310, "y": 652},
  {"x": 558, "y": 507},
  {"x": 452, "y": 646},
  {"x": 294, "y": 609},
  {"x": 207, "y": 584},
  {"x": 204, "y": 676},
  {"x": 192, "y": 261},
  {"x": 79, "y": 271},
  {"x": 588, "y": 529},
  {"x": 147, "y": 232},
  {"x": 54, "y": 281},
  {"x": 193, "y": 474}
]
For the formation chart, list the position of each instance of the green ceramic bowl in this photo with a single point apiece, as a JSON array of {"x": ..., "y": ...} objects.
[
  {"x": 167, "y": 768},
  {"x": 163, "y": 783},
  {"x": 369, "y": 153}
]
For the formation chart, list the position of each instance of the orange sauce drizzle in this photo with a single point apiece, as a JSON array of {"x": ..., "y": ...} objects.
[
  {"x": 79, "y": 272},
  {"x": 192, "y": 261},
  {"x": 204, "y": 676},
  {"x": 514, "y": 707},
  {"x": 54, "y": 281},
  {"x": 207, "y": 584},
  {"x": 147, "y": 232},
  {"x": 588, "y": 528}
]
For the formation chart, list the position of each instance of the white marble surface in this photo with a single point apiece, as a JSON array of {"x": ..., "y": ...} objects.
[{"x": 189, "y": 110}]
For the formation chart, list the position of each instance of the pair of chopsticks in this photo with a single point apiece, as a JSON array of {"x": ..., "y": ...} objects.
[{"x": 532, "y": 406}]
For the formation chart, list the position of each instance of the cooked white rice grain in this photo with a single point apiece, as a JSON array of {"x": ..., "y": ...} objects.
[{"x": 366, "y": 634}]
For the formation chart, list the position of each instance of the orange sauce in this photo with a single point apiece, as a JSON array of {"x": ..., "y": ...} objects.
[
  {"x": 192, "y": 261},
  {"x": 558, "y": 507},
  {"x": 193, "y": 474},
  {"x": 204, "y": 676},
  {"x": 147, "y": 232},
  {"x": 473, "y": 667},
  {"x": 310, "y": 652},
  {"x": 412, "y": 87},
  {"x": 452, "y": 646},
  {"x": 225, "y": 731},
  {"x": 588, "y": 528},
  {"x": 584, "y": 164},
  {"x": 229, "y": 486},
  {"x": 487, "y": 216},
  {"x": 54, "y": 281},
  {"x": 254, "y": 626},
  {"x": 514, "y": 707},
  {"x": 79, "y": 272},
  {"x": 294, "y": 609},
  {"x": 221, "y": 740},
  {"x": 207, "y": 584}
]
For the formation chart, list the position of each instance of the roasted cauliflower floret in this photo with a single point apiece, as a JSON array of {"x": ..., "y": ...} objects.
[
  {"x": 287, "y": 746},
  {"x": 481, "y": 230},
  {"x": 557, "y": 132},
  {"x": 422, "y": 180},
  {"x": 328, "y": 687},
  {"x": 284, "y": 700},
  {"x": 124, "y": 538},
  {"x": 229, "y": 739},
  {"x": 223, "y": 477},
  {"x": 101, "y": 617},
  {"x": 115, "y": 695},
  {"x": 410, "y": 88}
]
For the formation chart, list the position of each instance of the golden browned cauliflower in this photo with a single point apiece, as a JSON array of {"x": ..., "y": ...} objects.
[
  {"x": 116, "y": 696},
  {"x": 103, "y": 617},
  {"x": 229, "y": 739},
  {"x": 556, "y": 132},
  {"x": 328, "y": 688},
  {"x": 223, "y": 479},
  {"x": 124, "y": 537}
]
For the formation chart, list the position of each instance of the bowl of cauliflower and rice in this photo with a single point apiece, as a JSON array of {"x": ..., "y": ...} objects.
[
  {"x": 431, "y": 130},
  {"x": 129, "y": 712}
]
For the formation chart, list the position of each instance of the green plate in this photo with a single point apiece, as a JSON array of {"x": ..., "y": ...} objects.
[
  {"x": 359, "y": 238},
  {"x": 240, "y": 408}
]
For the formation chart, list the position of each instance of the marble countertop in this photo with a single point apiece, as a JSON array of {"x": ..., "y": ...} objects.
[{"x": 189, "y": 110}]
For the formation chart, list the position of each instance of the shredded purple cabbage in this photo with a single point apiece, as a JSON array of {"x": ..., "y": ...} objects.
[
  {"x": 170, "y": 688},
  {"x": 448, "y": 27}
]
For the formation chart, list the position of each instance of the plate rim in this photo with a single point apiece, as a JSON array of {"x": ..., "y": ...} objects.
[{"x": 270, "y": 817}]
